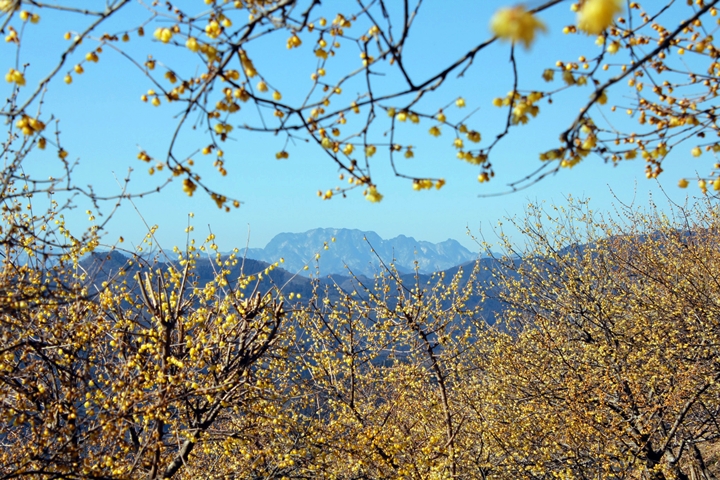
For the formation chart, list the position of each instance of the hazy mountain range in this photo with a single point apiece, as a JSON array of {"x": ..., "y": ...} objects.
[
  {"x": 361, "y": 252},
  {"x": 353, "y": 248}
]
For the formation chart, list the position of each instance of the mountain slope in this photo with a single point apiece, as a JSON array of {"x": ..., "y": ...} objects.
[{"x": 362, "y": 252}]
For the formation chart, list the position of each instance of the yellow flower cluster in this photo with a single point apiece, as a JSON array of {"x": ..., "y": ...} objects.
[
  {"x": 189, "y": 187},
  {"x": 222, "y": 128},
  {"x": 163, "y": 34},
  {"x": 294, "y": 42},
  {"x": 422, "y": 184},
  {"x": 478, "y": 159},
  {"x": 247, "y": 65},
  {"x": 595, "y": 16},
  {"x": 213, "y": 29},
  {"x": 8, "y": 6},
  {"x": 15, "y": 76},
  {"x": 372, "y": 195},
  {"x": 33, "y": 17},
  {"x": 29, "y": 126},
  {"x": 12, "y": 37},
  {"x": 516, "y": 25},
  {"x": 192, "y": 44},
  {"x": 219, "y": 200}
]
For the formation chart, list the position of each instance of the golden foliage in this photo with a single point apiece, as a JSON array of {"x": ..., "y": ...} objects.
[{"x": 603, "y": 363}]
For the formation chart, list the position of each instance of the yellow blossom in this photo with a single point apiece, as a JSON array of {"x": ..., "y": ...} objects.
[
  {"x": 474, "y": 136},
  {"x": 515, "y": 24},
  {"x": 373, "y": 195},
  {"x": 189, "y": 187},
  {"x": 192, "y": 44},
  {"x": 596, "y": 15},
  {"x": 294, "y": 42},
  {"x": 163, "y": 34},
  {"x": 9, "y": 5},
  {"x": 15, "y": 76}
]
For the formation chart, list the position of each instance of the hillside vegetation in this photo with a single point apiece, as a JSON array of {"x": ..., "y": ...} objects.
[{"x": 602, "y": 363}]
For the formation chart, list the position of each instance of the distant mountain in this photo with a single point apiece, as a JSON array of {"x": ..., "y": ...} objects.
[
  {"x": 360, "y": 251},
  {"x": 113, "y": 266},
  {"x": 107, "y": 267}
]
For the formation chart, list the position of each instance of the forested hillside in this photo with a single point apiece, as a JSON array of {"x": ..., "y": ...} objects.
[{"x": 602, "y": 361}]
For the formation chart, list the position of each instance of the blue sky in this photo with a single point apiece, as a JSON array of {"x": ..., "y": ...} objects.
[{"x": 104, "y": 124}]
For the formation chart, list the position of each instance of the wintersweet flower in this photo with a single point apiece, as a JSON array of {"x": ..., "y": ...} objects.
[
  {"x": 9, "y": 5},
  {"x": 373, "y": 195},
  {"x": 516, "y": 24},
  {"x": 474, "y": 136},
  {"x": 189, "y": 187},
  {"x": 192, "y": 44},
  {"x": 163, "y": 34},
  {"x": 596, "y": 15},
  {"x": 15, "y": 76}
]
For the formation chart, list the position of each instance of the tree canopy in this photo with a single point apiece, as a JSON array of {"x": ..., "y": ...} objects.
[
  {"x": 651, "y": 81},
  {"x": 601, "y": 360}
]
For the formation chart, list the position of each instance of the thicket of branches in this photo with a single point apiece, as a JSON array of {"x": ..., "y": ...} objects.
[
  {"x": 603, "y": 363},
  {"x": 360, "y": 89}
]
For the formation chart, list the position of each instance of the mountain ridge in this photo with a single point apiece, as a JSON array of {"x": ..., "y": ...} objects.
[{"x": 360, "y": 252}]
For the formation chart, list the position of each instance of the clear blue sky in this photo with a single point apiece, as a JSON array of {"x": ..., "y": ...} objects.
[{"x": 104, "y": 124}]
